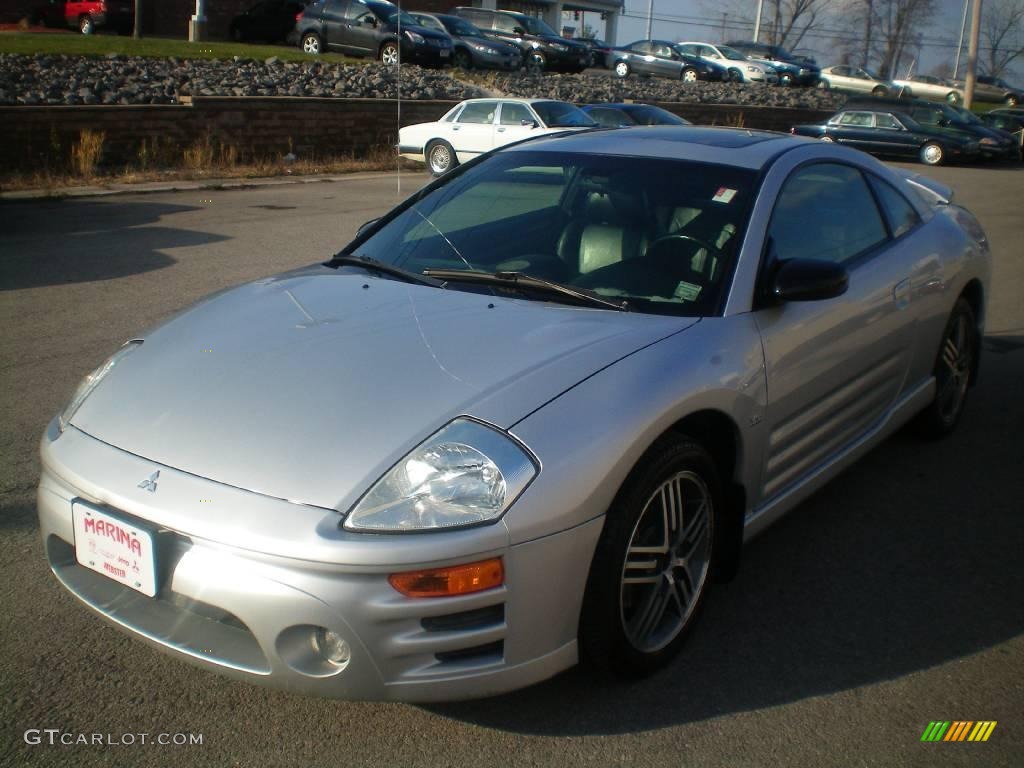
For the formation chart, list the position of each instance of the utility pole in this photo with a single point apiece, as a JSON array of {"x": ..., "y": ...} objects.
[
  {"x": 960, "y": 45},
  {"x": 137, "y": 23},
  {"x": 724, "y": 17},
  {"x": 650, "y": 17},
  {"x": 869, "y": 18},
  {"x": 757, "y": 24},
  {"x": 972, "y": 54}
]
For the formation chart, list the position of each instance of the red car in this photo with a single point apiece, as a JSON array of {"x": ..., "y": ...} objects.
[{"x": 86, "y": 15}]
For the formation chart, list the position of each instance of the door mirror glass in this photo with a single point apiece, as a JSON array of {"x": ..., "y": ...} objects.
[
  {"x": 809, "y": 280},
  {"x": 528, "y": 122}
]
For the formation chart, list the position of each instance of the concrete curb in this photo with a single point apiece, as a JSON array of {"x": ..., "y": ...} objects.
[{"x": 184, "y": 185}]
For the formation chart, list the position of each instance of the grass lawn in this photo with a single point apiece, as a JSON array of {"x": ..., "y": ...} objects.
[{"x": 154, "y": 47}]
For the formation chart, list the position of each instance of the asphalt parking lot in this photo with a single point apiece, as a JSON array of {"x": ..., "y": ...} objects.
[{"x": 889, "y": 600}]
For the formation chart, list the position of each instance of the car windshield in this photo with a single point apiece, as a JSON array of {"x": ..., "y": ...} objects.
[
  {"x": 872, "y": 74},
  {"x": 966, "y": 116},
  {"x": 558, "y": 114},
  {"x": 457, "y": 26},
  {"x": 537, "y": 27},
  {"x": 643, "y": 114},
  {"x": 731, "y": 53},
  {"x": 660, "y": 235},
  {"x": 393, "y": 15}
]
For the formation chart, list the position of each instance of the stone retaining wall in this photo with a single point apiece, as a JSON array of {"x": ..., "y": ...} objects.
[{"x": 36, "y": 138}]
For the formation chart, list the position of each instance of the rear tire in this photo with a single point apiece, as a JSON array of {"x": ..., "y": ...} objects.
[
  {"x": 389, "y": 54},
  {"x": 688, "y": 75},
  {"x": 735, "y": 76},
  {"x": 86, "y": 25},
  {"x": 536, "y": 63},
  {"x": 953, "y": 97},
  {"x": 462, "y": 59},
  {"x": 1010, "y": 100},
  {"x": 621, "y": 69},
  {"x": 933, "y": 154},
  {"x": 824, "y": 85},
  {"x": 785, "y": 79},
  {"x": 440, "y": 157},
  {"x": 954, "y": 367},
  {"x": 654, "y": 560},
  {"x": 311, "y": 43},
  {"x": 880, "y": 91}
]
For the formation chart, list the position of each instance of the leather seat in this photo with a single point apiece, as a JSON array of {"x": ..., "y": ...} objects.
[{"x": 609, "y": 229}]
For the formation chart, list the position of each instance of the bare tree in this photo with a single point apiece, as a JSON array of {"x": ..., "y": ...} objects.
[
  {"x": 792, "y": 19},
  {"x": 899, "y": 25},
  {"x": 1002, "y": 34}
]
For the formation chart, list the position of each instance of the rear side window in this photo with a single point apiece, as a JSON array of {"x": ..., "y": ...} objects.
[
  {"x": 883, "y": 120},
  {"x": 478, "y": 112},
  {"x": 825, "y": 211},
  {"x": 900, "y": 214},
  {"x": 504, "y": 23}
]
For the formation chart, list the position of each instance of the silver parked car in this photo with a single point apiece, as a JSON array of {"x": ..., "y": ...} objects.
[
  {"x": 857, "y": 80},
  {"x": 930, "y": 87},
  {"x": 529, "y": 415}
]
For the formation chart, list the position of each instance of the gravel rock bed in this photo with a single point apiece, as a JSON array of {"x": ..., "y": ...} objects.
[
  {"x": 116, "y": 79},
  {"x": 34, "y": 80},
  {"x": 594, "y": 88}
]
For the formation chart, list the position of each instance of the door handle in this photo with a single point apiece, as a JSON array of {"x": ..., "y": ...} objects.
[
  {"x": 901, "y": 293},
  {"x": 456, "y": 127},
  {"x": 501, "y": 130}
]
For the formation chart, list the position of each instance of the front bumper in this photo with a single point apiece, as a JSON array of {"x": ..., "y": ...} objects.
[
  {"x": 426, "y": 54},
  {"x": 229, "y": 604},
  {"x": 503, "y": 61}
]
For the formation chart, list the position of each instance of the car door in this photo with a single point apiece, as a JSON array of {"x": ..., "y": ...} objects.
[
  {"x": 360, "y": 30},
  {"x": 641, "y": 60},
  {"x": 856, "y": 129},
  {"x": 510, "y": 126},
  {"x": 473, "y": 129},
  {"x": 332, "y": 19},
  {"x": 666, "y": 62},
  {"x": 893, "y": 136},
  {"x": 834, "y": 367}
]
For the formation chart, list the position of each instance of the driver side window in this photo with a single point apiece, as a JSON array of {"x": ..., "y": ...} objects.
[{"x": 826, "y": 212}]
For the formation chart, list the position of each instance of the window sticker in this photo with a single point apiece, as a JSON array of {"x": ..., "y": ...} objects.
[
  {"x": 724, "y": 195},
  {"x": 687, "y": 291}
]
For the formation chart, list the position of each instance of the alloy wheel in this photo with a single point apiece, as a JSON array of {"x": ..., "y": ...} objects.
[
  {"x": 439, "y": 159},
  {"x": 954, "y": 371},
  {"x": 621, "y": 69},
  {"x": 311, "y": 44},
  {"x": 389, "y": 55},
  {"x": 689, "y": 76},
  {"x": 666, "y": 563}
]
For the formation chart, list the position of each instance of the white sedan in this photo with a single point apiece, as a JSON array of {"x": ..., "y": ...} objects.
[
  {"x": 741, "y": 69},
  {"x": 476, "y": 126}
]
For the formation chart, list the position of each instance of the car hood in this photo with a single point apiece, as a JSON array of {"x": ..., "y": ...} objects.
[
  {"x": 491, "y": 42},
  {"x": 308, "y": 386}
]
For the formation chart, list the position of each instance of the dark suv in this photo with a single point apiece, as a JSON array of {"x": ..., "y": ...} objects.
[
  {"x": 792, "y": 69},
  {"x": 542, "y": 47},
  {"x": 371, "y": 28}
]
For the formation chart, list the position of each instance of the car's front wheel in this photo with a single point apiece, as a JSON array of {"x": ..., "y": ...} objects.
[
  {"x": 824, "y": 84},
  {"x": 785, "y": 79},
  {"x": 389, "y": 54},
  {"x": 954, "y": 365},
  {"x": 735, "y": 76},
  {"x": 932, "y": 154},
  {"x": 311, "y": 43},
  {"x": 621, "y": 69},
  {"x": 1010, "y": 100},
  {"x": 653, "y": 562},
  {"x": 953, "y": 97},
  {"x": 441, "y": 157},
  {"x": 880, "y": 91},
  {"x": 535, "y": 62},
  {"x": 462, "y": 59}
]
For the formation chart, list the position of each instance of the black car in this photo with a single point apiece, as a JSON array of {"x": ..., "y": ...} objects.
[
  {"x": 270, "y": 20},
  {"x": 662, "y": 59},
  {"x": 888, "y": 130},
  {"x": 792, "y": 69},
  {"x": 542, "y": 47},
  {"x": 470, "y": 48},
  {"x": 630, "y": 115},
  {"x": 371, "y": 28},
  {"x": 993, "y": 143},
  {"x": 598, "y": 50}
]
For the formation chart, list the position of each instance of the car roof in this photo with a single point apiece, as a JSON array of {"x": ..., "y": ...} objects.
[
  {"x": 509, "y": 98},
  {"x": 737, "y": 147}
]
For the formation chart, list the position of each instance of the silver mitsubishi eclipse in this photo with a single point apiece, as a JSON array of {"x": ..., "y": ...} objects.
[{"x": 527, "y": 418}]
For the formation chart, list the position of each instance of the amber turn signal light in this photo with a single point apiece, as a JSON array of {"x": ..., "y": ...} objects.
[{"x": 453, "y": 580}]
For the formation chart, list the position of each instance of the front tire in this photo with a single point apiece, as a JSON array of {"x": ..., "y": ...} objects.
[
  {"x": 689, "y": 75},
  {"x": 824, "y": 85},
  {"x": 621, "y": 69},
  {"x": 785, "y": 80},
  {"x": 311, "y": 43},
  {"x": 954, "y": 366},
  {"x": 389, "y": 54},
  {"x": 1010, "y": 100},
  {"x": 462, "y": 59},
  {"x": 933, "y": 154},
  {"x": 735, "y": 76},
  {"x": 535, "y": 62},
  {"x": 880, "y": 91},
  {"x": 440, "y": 157},
  {"x": 953, "y": 97},
  {"x": 653, "y": 562}
]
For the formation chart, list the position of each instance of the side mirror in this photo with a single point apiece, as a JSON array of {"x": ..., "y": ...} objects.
[
  {"x": 808, "y": 280},
  {"x": 527, "y": 121},
  {"x": 370, "y": 21},
  {"x": 366, "y": 225}
]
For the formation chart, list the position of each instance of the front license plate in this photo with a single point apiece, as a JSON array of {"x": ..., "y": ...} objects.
[
  {"x": 444, "y": 54},
  {"x": 115, "y": 548}
]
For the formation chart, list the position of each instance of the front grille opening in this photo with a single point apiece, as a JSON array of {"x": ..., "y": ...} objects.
[
  {"x": 479, "y": 618},
  {"x": 490, "y": 652}
]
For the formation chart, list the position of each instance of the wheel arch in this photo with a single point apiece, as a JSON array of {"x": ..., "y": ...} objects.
[{"x": 974, "y": 294}]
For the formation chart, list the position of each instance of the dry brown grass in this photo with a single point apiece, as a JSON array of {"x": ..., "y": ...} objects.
[{"x": 87, "y": 152}]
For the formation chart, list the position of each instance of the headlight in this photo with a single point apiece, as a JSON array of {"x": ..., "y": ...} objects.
[
  {"x": 989, "y": 141},
  {"x": 90, "y": 382},
  {"x": 415, "y": 37},
  {"x": 465, "y": 474},
  {"x": 755, "y": 69},
  {"x": 559, "y": 47},
  {"x": 484, "y": 49}
]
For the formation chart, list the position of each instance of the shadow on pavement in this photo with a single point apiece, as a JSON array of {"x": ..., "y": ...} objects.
[
  {"x": 68, "y": 241},
  {"x": 910, "y": 559}
]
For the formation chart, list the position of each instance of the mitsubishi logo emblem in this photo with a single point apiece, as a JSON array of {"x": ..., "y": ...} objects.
[{"x": 150, "y": 482}]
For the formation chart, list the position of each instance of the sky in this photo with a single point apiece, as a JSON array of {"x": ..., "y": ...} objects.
[{"x": 696, "y": 20}]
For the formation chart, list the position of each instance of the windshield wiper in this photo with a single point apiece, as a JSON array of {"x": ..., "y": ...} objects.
[
  {"x": 385, "y": 269},
  {"x": 520, "y": 280}
]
